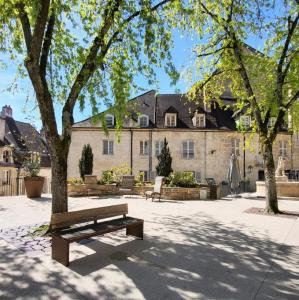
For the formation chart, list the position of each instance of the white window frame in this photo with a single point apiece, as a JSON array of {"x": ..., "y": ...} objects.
[
  {"x": 158, "y": 147},
  {"x": 8, "y": 156},
  {"x": 145, "y": 176},
  {"x": 235, "y": 146},
  {"x": 188, "y": 153},
  {"x": 197, "y": 120},
  {"x": 144, "y": 147},
  {"x": 245, "y": 121},
  {"x": 170, "y": 119},
  {"x": 110, "y": 146},
  {"x": 112, "y": 118},
  {"x": 140, "y": 123},
  {"x": 283, "y": 148}
]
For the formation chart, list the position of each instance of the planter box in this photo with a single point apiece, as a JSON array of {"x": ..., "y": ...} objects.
[
  {"x": 34, "y": 186},
  {"x": 76, "y": 190},
  {"x": 90, "y": 179}
]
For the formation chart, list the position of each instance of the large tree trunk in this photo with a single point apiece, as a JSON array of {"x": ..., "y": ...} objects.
[
  {"x": 59, "y": 182},
  {"x": 270, "y": 181}
]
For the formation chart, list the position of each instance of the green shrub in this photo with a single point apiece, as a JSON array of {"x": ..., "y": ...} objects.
[
  {"x": 115, "y": 174},
  {"x": 75, "y": 181},
  {"x": 164, "y": 161},
  {"x": 86, "y": 161},
  {"x": 107, "y": 177},
  {"x": 182, "y": 179},
  {"x": 31, "y": 167}
]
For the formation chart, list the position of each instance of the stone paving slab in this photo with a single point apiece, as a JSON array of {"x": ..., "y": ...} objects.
[
  {"x": 20, "y": 238},
  {"x": 191, "y": 250}
]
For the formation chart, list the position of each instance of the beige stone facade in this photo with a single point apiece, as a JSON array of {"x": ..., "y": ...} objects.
[{"x": 212, "y": 150}]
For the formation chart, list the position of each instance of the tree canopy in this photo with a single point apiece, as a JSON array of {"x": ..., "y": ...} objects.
[
  {"x": 85, "y": 52},
  {"x": 264, "y": 84}
]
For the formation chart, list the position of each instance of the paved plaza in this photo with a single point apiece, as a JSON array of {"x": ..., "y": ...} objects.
[{"x": 191, "y": 250}]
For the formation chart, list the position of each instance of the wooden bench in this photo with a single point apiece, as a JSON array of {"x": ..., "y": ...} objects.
[{"x": 81, "y": 228}]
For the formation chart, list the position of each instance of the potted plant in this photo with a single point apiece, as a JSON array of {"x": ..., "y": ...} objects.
[{"x": 33, "y": 183}]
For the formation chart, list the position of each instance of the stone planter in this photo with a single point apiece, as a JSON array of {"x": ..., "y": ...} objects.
[
  {"x": 34, "y": 186},
  {"x": 90, "y": 179},
  {"x": 77, "y": 190}
]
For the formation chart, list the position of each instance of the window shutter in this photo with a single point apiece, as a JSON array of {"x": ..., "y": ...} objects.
[
  {"x": 198, "y": 177},
  {"x": 191, "y": 149}
]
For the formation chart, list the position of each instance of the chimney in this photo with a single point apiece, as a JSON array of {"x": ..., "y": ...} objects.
[
  {"x": 6, "y": 111},
  {"x": 2, "y": 128}
]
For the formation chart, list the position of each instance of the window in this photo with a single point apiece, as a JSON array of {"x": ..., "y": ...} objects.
[
  {"x": 170, "y": 120},
  {"x": 235, "y": 146},
  {"x": 144, "y": 175},
  {"x": 199, "y": 120},
  {"x": 245, "y": 121},
  {"x": 109, "y": 120},
  {"x": 272, "y": 121},
  {"x": 108, "y": 147},
  {"x": 5, "y": 177},
  {"x": 6, "y": 156},
  {"x": 158, "y": 147},
  {"x": 188, "y": 149},
  {"x": 143, "y": 147},
  {"x": 283, "y": 148},
  {"x": 198, "y": 177},
  {"x": 143, "y": 121}
]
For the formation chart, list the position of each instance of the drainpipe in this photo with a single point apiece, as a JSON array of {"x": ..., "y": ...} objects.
[
  {"x": 131, "y": 151},
  {"x": 205, "y": 158},
  {"x": 244, "y": 160},
  {"x": 150, "y": 158},
  {"x": 292, "y": 137}
]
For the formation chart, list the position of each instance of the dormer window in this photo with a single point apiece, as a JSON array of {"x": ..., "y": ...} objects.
[
  {"x": 170, "y": 120},
  {"x": 109, "y": 120},
  {"x": 245, "y": 121},
  {"x": 6, "y": 156},
  {"x": 143, "y": 121},
  {"x": 199, "y": 120}
]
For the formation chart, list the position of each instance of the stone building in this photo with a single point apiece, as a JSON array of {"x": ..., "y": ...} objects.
[
  {"x": 20, "y": 141},
  {"x": 201, "y": 139}
]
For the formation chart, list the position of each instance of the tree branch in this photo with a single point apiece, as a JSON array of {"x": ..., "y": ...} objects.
[
  {"x": 127, "y": 21},
  {"x": 292, "y": 100},
  {"x": 281, "y": 74},
  {"x": 39, "y": 30},
  {"x": 94, "y": 60},
  {"x": 214, "y": 52},
  {"x": 46, "y": 44},
  {"x": 25, "y": 24},
  {"x": 88, "y": 67}
]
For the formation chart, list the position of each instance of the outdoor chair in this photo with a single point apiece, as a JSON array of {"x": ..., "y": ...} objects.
[
  {"x": 127, "y": 184},
  {"x": 157, "y": 189}
]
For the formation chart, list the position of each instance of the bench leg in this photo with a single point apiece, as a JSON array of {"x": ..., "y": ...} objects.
[
  {"x": 135, "y": 230},
  {"x": 60, "y": 250}
]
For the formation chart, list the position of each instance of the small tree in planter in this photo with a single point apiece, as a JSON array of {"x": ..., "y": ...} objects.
[
  {"x": 86, "y": 161},
  {"x": 33, "y": 183},
  {"x": 164, "y": 161}
]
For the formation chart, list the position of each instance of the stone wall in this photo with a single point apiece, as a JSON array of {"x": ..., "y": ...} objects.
[
  {"x": 212, "y": 151},
  {"x": 171, "y": 193},
  {"x": 75, "y": 190}
]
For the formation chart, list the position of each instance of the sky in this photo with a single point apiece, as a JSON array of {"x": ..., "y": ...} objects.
[
  {"x": 25, "y": 109},
  {"x": 21, "y": 98}
]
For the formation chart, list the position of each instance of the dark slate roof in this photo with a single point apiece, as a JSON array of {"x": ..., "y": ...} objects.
[
  {"x": 156, "y": 105},
  {"x": 217, "y": 118},
  {"x": 24, "y": 136}
]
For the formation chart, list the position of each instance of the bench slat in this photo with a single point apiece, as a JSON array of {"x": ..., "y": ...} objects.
[
  {"x": 87, "y": 231},
  {"x": 61, "y": 220}
]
